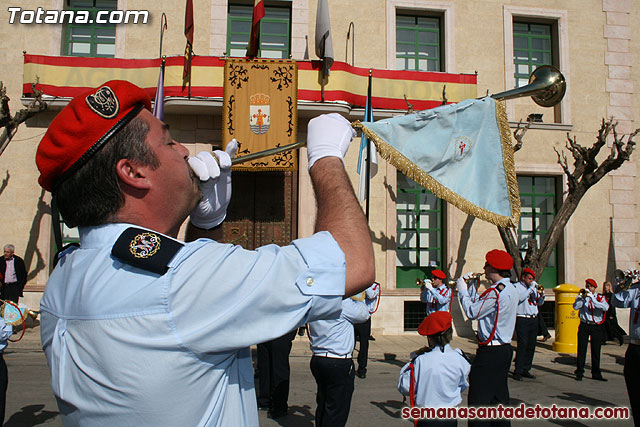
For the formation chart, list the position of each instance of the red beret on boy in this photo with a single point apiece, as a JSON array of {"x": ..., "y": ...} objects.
[
  {"x": 435, "y": 323},
  {"x": 529, "y": 271},
  {"x": 500, "y": 260},
  {"x": 439, "y": 274},
  {"x": 591, "y": 282},
  {"x": 84, "y": 126}
]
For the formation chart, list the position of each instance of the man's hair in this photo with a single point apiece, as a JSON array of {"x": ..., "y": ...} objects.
[
  {"x": 10, "y": 247},
  {"x": 442, "y": 339},
  {"x": 504, "y": 273},
  {"x": 92, "y": 195}
]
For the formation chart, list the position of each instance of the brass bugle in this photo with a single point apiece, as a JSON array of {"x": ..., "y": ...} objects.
[
  {"x": 540, "y": 288},
  {"x": 583, "y": 292},
  {"x": 624, "y": 280},
  {"x": 546, "y": 87},
  {"x": 419, "y": 282}
]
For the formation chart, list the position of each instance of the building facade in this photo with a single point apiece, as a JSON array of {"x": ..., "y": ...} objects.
[{"x": 590, "y": 41}]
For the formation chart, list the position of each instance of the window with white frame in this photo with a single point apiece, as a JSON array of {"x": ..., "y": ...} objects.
[{"x": 275, "y": 30}]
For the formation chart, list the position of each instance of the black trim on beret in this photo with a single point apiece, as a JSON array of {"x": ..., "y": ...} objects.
[{"x": 98, "y": 144}]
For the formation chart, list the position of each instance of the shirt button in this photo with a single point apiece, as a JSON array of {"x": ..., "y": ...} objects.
[{"x": 309, "y": 281}]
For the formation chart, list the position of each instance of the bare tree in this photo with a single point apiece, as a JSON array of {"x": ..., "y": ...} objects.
[
  {"x": 584, "y": 173},
  {"x": 8, "y": 123}
]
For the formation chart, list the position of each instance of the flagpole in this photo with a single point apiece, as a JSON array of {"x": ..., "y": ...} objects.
[
  {"x": 367, "y": 168},
  {"x": 163, "y": 26}
]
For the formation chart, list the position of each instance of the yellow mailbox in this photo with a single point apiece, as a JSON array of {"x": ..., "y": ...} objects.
[{"x": 567, "y": 320}]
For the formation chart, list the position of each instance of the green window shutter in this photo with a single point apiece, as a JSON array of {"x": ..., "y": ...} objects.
[
  {"x": 419, "y": 234},
  {"x": 418, "y": 43},
  {"x": 275, "y": 31},
  {"x": 92, "y": 39},
  {"x": 532, "y": 47},
  {"x": 538, "y": 196}
]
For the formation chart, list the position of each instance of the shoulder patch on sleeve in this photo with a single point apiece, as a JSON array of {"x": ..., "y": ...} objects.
[
  {"x": 145, "y": 249},
  {"x": 500, "y": 287}
]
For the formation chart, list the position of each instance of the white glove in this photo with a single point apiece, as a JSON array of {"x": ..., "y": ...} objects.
[
  {"x": 214, "y": 174},
  {"x": 461, "y": 283},
  {"x": 467, "y": 276},
  {"x": 428, "y": 284},
  {"x": 328, "y": 135}
]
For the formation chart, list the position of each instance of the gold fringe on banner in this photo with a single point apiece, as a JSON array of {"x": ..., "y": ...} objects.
[{"x": 412, "y": 171}]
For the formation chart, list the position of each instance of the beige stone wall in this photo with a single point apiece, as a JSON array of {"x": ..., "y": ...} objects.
[{"x": 598, "y": 56}]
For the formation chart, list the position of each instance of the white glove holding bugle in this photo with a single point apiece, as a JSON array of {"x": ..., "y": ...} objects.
[
  {"x": 214, "y": 174},
  {"x": 461, "y": 283},
  {"x": 328, "y": 135},
  {"x": 428, "y": 284}
]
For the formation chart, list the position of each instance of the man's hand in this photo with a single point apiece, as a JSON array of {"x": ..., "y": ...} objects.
[
  {"x": 214, "y": 174},
  {"x": 328, "y": 135},
  {"x": 428, "y": 284},
  {"x": 461, "y": 284}
]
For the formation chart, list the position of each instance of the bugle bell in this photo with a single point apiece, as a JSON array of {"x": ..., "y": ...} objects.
[
  {"x": 540, "y": 288},
  {"x": 582, "y": 293},
  {"x": 624, "y": 279}
]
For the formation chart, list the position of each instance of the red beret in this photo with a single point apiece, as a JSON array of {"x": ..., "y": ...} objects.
[
  {"x": 435, "y": 323},
  {"x": 591, "y": 282},
  {"x": 500, "y": 260},
  {"x": 439, "y": 274},
  {"x": 83, "y": 127},
  {"x": 529, "y": 271}
]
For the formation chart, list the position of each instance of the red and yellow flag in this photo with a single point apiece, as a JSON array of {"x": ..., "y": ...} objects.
[{"x": 254, "y": 38}]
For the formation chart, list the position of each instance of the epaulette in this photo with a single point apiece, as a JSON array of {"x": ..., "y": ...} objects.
[
  {"x": 64, "y": 251},
  {"x": 145, "y": 249},
  {"x": 500, "y": 287}
]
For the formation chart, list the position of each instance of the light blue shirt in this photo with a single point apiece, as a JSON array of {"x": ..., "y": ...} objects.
[
  {"x": 5, "y": 333},
  {"x": 437, "y": 299},
  {"x": 484, "y": 308},
  {"x": 530, "y": 300},
  {"x": 591, "y": 309},
  {"x": 439, "y": 378},
  {"x": 630, "y": 299},
  {"x": 127, "y": 347},
  {"x": 336, "y": 336}
]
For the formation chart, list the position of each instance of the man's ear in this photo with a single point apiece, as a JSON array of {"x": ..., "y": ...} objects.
[{"x": 132, "y": 174}]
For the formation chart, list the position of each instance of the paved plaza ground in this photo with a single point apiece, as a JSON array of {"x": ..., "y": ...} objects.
[{"x": 375, "y": 402}]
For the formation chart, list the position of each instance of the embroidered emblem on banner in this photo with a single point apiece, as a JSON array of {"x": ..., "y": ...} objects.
[
  {"x": 259, "y": 113},
  {"x": 462, "y": 147},
  {"x": 144, "y": 245},
  {"x": 104, "y": 102}
]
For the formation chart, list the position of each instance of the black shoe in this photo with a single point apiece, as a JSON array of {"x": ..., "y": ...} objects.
[
  {"x": 361, "y": 374},
  {"x": 528, "y": 375},
  {"x": 371, "y": 338},
  {"x": 578, "y": 377},
  {"x": 598, "y": 378},
  {"x": 517, "y": 377},
  {"x": 277, "y": 414}
]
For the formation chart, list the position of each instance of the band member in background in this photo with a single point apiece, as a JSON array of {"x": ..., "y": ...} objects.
[
  {"x": 362, "y": 330},
  {"x": 612, "y": 331},
  {"x": 332, "y": 344},
  {"x": 436, "y": 374},
  {"x": 13, "y": 274},
  {"x": 630, "y": 298},
  {"x": 436, "y": 294},
  {"x": 274, "y": 374},
  {"x": 591, "y": 308},
  {"x": 527, "y": 323},
  {"x": 495, "y": 310}
]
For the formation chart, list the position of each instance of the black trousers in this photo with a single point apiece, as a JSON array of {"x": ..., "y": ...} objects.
[
  {"x": 632, "y": 378},
  {"x": 274, "y": 372},
  {"x": 362, "y": 333},
  {"x": 335, "y": 378},
  {"x": 10, "y": 291},
  {"x": 596, "y": 333},
  {"x": 527, "y": 329},
  {"x": 4, "y": 381},
  {"x": 542, "y": 327},
  {"x": 488, "y": 380}
]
